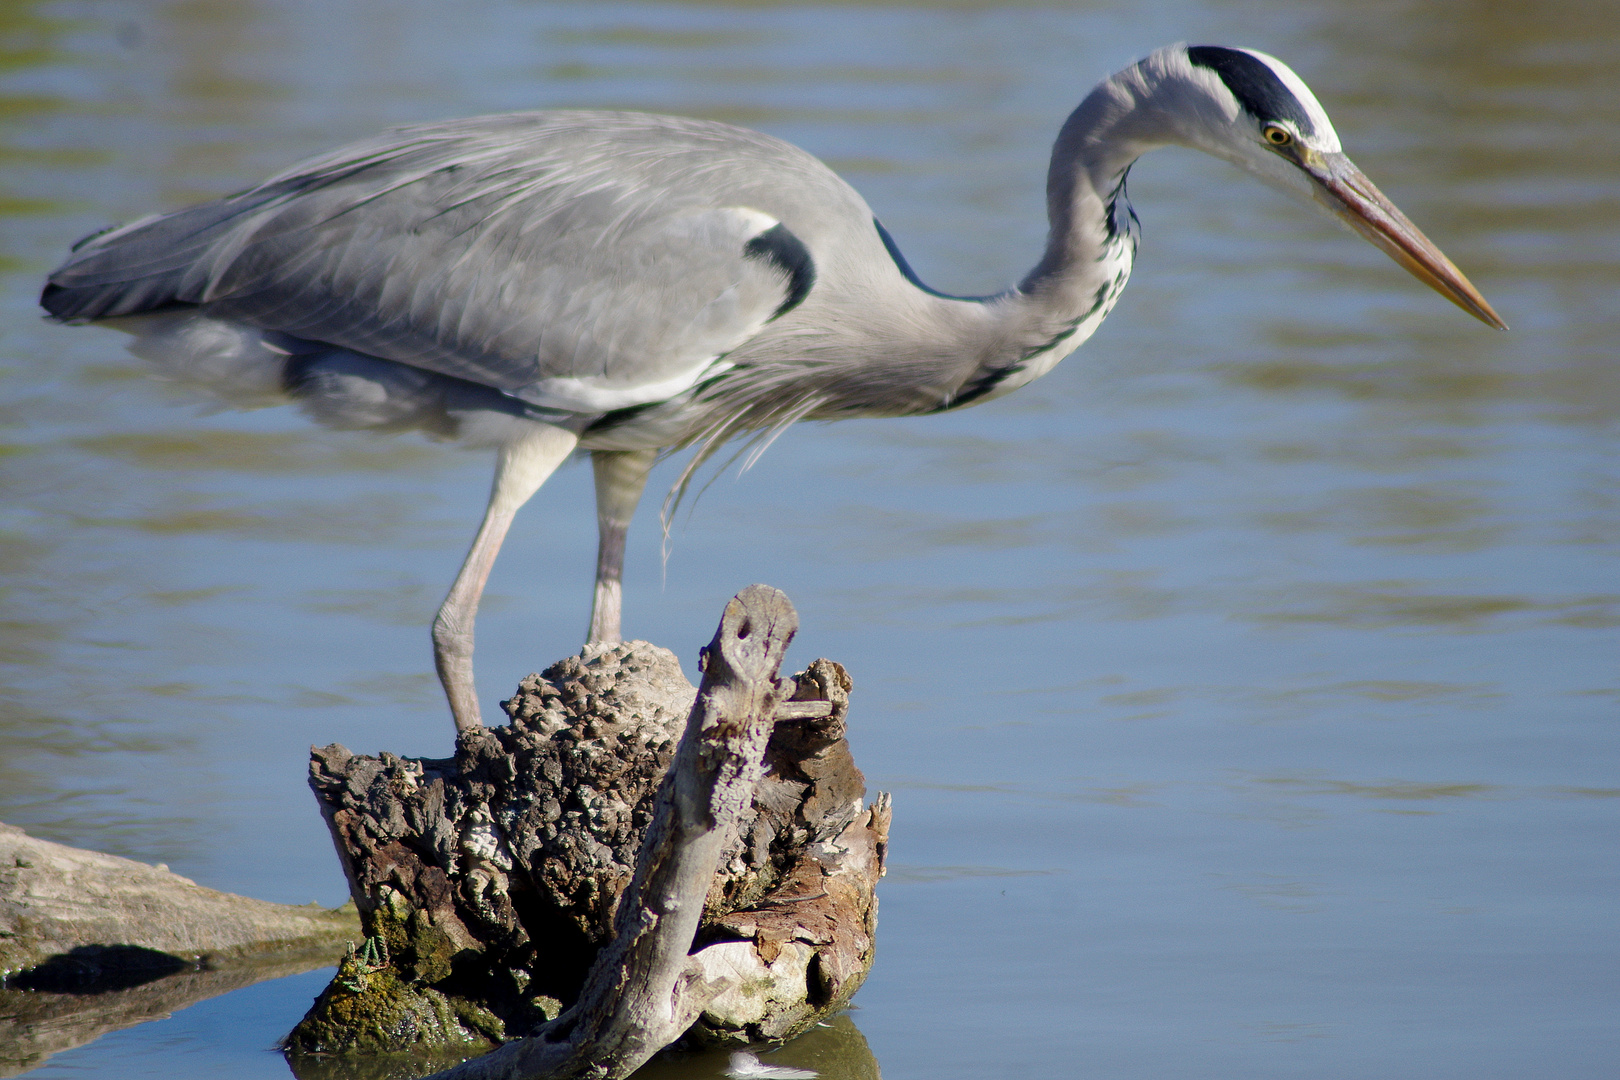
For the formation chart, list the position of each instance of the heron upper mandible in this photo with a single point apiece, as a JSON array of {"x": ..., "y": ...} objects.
[{"x": 629, "y": 284}]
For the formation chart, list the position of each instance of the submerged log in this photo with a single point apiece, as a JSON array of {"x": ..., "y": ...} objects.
[
  {"x": 75, "y": 919},
  {"x": 91, "y": 943},
  {"x": 588, "y": 884}
]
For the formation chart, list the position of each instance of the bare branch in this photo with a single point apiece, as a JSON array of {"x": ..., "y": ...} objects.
[{"x": 644, "y": 991}]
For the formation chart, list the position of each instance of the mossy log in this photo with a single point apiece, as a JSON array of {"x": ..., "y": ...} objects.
[{"x": 619, "y": 867}]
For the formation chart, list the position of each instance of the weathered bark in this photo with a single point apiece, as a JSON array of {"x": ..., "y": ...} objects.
[
  {"x": 91, "y": 943},
  {"x": 564, "y": 862}
]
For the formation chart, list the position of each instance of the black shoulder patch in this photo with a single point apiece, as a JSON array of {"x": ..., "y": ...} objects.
[
  {"x": 778, "y": 245},
  {"x": 1254, "y": 84}
]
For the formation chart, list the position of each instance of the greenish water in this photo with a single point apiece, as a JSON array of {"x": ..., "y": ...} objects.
[{"x": 1247, "y": 686}]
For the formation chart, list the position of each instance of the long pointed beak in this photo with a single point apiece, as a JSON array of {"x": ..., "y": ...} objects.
[{"x": 1346, "y": 191}]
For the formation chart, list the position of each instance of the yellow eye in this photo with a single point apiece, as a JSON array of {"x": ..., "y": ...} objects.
[{"x": 1277, "y": 136}]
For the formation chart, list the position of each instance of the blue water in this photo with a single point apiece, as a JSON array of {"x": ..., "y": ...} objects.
[
  {"x": 1247, "y": 686},
  {"x": 233, "y": 1036}
]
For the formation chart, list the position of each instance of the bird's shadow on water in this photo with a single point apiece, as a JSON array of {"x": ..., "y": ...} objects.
[{"x": 834, "y": 1050}]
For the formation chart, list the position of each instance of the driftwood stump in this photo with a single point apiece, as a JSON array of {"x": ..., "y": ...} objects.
[{"x": 618, "y": 867}]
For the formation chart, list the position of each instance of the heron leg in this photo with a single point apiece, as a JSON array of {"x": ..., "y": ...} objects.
[
  {"x": 520, "y": 468},
  {"x": 620, "y": 477}
]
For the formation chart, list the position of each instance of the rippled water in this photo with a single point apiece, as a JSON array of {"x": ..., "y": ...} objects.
[{"x": 1247, "y": 686}]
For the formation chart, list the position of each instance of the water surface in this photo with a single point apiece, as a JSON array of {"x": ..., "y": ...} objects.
[{"x": 1247, "y": 686}]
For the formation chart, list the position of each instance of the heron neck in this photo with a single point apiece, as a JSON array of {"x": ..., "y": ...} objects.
[
  {"x": 1090, "y": 248},
  {"x": 1086, "y": 207}
]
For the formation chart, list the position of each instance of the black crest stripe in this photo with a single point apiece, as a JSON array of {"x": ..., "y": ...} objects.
[{"x": 1254, "y": 84}]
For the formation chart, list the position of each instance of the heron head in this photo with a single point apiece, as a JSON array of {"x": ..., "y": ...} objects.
[{"x": 1252, "y": 110}]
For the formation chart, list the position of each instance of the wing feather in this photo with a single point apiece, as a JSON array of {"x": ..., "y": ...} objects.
[{"x": 577, "y": 260}]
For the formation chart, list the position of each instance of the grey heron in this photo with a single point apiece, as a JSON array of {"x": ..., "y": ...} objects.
[{"x": 630, "y": 284}]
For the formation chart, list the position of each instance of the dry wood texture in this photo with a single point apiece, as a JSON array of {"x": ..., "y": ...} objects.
[{"x": 646, "y": 865}]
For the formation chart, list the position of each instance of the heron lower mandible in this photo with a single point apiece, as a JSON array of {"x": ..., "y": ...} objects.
[{"x": 628, "y": 284}]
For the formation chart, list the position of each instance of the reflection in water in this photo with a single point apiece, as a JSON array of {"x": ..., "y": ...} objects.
[
  {"x": 1386, "y": 604},
  {"x": 1248, "y": 682},
  {"x": 35, "y": 1026},
  {"x": 371, "y": 1066},
  {"x": 836, "y": 1050}
]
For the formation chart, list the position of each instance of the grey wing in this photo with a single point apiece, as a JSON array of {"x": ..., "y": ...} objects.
[{"x": 578, "y": 261}]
